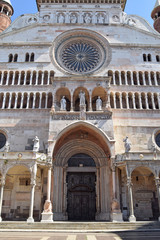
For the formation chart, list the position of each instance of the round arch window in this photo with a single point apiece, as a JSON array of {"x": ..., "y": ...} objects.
[
  {"x": 2, "y": 140},
  {"x": 157, "y": 139}
]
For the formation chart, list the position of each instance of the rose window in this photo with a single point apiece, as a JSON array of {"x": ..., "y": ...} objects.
[
  {"x": 80, "y": 52},
  {"x": 80, "y": 57}
]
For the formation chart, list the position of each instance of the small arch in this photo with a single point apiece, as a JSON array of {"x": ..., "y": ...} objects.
[
  {"x": 149, "y": 97},
  {"x": 157, "y": 58},
  {"x": 147, "y": 78},
  {"x": 129, "y": 78},
  {"x": 27, "y": 57},
  {"x": 152, "y": 78},
  {"x": 59, "y": 94},
  {"x": 10, "y": 58},
  {"x": 156, "y": 100},
  {"x": 143, "y": 100},
  {"x": 123, "y": 78},
  {"x": 15, "y": 57},
  {"x": 144, "y": 57},
  {"x": 149, "y": 57},
  {"x": 112, "y": 100},
  {"x": 135, "y": 78},
  {"x": 50, "y": 100},
  {"x": 137, "y": 105},
  {"x": 110, "y": 74},
  {"x": 32, "y": 57},
  {"x": 117, "y": 99},
  {"x": 140, "y": 78},
  {"x": 13, "y": 100},
  {"x": 130, "y": 100},
  {"x": 76, "y": 100},
  {"x": 99, "y": 92},
  {"x": 117, "y": 78},
  {"x": 124, "y": 103}
]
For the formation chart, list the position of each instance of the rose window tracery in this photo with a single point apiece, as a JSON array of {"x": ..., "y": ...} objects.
[{"x": 80, "y": 57}]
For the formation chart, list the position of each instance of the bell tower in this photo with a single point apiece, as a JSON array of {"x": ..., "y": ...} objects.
[
  {"x": 156, "y": 16},
  {"x": 6, "y": 11}
]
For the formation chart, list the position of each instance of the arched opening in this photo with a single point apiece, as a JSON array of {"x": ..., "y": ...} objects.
[
  {"x": 63, "y": 92},
  {"x": 81, "y": 158},
  {"x": 76, "y": 99},
  {"x": 16, "y": 200},
  {"x": 99, "y": 92},
  {"x": 144, "y": 194}
]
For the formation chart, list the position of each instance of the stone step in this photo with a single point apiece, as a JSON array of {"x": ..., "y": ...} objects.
[{"x": 80, "y": 226}]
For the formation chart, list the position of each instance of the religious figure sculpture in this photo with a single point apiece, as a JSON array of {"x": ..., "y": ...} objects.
[
  {"x": 100, "y": 19},
  {"x": 7, "y": 147},
  {"x": 87, "y": 18},
  {"x": 82, "y": 98},
  {"x": 36, "y": 144},
  {"x": 99, "y": 104},
  {"x": 63, "y": 104},
  {"x": 73, "y": 18},
  {"x": 61, "y": 18},
  {"x": 127, "y": 144}
]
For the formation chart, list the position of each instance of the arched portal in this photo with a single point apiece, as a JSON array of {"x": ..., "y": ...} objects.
[
  {"x": 145, "y": 194},
  {"x": 82, "y": 174}
]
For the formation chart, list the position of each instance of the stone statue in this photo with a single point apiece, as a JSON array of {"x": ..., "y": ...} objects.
[
  {"x": 100, "y": 19},
  {"x": 61, "y": 18},
  {"x": 63, "y": 104},
  {"x": 82, "y": 98},
  {"x": 73, "y": 18},
  {"x": 127, "y": 144},
  {"x": 99, "y": 104},
  {"x": 87, "y": 18},
  {"x": 7, "y": 147},
  {"x": 47, "y": 206},
  {"x": 36, "y": 144}
]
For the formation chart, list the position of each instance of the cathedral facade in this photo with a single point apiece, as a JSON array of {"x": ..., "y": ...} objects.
[{"x": 79, "y": 113}]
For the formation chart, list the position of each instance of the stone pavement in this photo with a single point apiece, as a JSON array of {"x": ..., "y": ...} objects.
[{"x": 79, "y": 236}]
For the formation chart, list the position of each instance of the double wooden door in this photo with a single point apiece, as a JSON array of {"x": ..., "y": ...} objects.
[{"x": 81, "y": 196}]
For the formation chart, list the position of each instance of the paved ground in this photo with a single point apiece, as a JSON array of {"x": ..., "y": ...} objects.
[{"x": 79, "y": 236}]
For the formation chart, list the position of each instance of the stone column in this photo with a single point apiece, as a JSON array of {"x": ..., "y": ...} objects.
[
  {"x": 10, "y": 100},
  {"x": 31, "y": 77},
  {"x": 127, "y": 102},
  {"x": 1, "y": 195},
  {"x": 48, "y": 81},
  {"x": 133, "y": 98},
  {"x": 42, "y": 78},
  {"x": 34, "y": 100},
  {"x": 149, "y": 78},
  {"x": 157, "y": 180},
  {"x": 155, "y": 79},
  {"x": 40, "y": 100},
  {"x": 116, "y": 215},
  {"x": 4, "y": 101},
  {"x": 28, "y": 96},
  {"x": 146, "y": 101},
  {"x": 126, "y": 82},
  {"x": 13, "y": 78},
  {"x": 132, "y": 79},
  {"x": 71, "y": 102},
  {"x": 137, "y": 76},
  {"x": 90, "y": 102},
  {"x": 1, "y": 80},
  {"x": 114, "y": 79},
  {"x": 120, "y": 79},
  {"x": 19, "y": 78},
  {"x": 47, "y": 215},
  {"x": 31, "y": 219},
  {"x": 33, "y": 184},
  {"x": 144, "y": 80},
  {"x": 132, "y": 218}
]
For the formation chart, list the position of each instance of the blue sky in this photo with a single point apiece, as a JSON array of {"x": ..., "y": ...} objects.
[{"x": 142, "y": 8}]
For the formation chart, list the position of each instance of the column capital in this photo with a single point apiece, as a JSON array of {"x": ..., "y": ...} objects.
[
  {"x": 157, "y": 180},
  {"x": 129, "y": 182},
  {"x": 2, "y": 181}
]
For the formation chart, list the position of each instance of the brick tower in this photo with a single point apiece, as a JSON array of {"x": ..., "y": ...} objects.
[
  {"x": 6, "y": 11},
  {"x": 156, "y": 16}
]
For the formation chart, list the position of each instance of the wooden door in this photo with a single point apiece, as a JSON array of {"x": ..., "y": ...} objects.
[{"x": 81, "y": 196}]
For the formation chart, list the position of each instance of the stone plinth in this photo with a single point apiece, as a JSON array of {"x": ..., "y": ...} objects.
[
  {"x": 116, "y": 217},
  {"x": 47, "y": 217}
]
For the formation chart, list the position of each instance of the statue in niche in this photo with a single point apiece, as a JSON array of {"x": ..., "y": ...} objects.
[
  {"x": 99, "y": 104},
  {"x": 61, "y": 18},
  {"x": 7, "y": 147},
  {"x": 82, "y": 98},
  {"x": 73, "y": 18},
  {"x": 100, "y": 19},
  {"x": 47, "y": 207},
  {"x": 63, "y": 104},
  {"x": 87, "y": 18},
  {"x": 36, "y": 144},
  {"x": 127, "y": 144}
]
